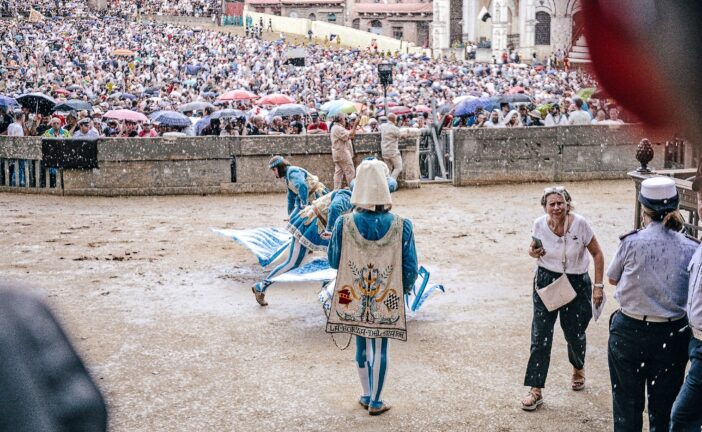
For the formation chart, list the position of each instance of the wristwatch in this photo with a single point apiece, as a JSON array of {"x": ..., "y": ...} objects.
[{"x": 598, "y": 285}]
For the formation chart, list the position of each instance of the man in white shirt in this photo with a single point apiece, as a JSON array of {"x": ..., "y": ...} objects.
[
  {"x": 15, "y": 128},
  {"x": 579, "y": 116},
  {"x": 555, "y": 118}
]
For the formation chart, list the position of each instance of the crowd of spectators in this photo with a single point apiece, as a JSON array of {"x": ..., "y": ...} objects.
[{"x": 82, "y": 57}]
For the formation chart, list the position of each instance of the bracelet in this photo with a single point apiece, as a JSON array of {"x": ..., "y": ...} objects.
[{"x": 599, "y": 285}]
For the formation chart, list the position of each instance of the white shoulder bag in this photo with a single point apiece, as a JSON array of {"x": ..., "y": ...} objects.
[{"x": 559, "y": 292}]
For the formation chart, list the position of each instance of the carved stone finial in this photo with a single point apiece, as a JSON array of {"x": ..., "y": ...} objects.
[{"x": 644, "y": 154}]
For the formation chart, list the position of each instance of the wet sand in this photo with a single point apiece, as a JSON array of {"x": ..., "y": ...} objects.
[{"x": 162, "y": 312}]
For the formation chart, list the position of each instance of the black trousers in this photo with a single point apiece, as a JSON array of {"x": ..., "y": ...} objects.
[
  {"x": 645, "y": 358},
  {"x": 574, "y": 318}
]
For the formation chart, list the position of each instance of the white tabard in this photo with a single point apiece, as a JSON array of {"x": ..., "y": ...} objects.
[{"x": 368, "y": 299}]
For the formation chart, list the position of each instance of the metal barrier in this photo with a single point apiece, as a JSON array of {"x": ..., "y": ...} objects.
[
  {"x": 26, "y": 173},
  {"x": 436, "y": 156}
]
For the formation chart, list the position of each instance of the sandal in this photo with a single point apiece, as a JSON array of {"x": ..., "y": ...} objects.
[
  {"x": 577, "y": 382},
  {"x": 532, "y": 400}
]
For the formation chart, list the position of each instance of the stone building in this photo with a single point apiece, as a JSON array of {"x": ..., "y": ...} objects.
[
  {"x": 529, "y": 26},
  {"x": 323, "y": 10},
  {"x": 405, "y": 21}
]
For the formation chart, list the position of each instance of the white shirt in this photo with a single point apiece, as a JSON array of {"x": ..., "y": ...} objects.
[
  {"x": 579, "y": 235},
  {"x": 15, "y": 129},
  {"x": 580, "y": 117}
]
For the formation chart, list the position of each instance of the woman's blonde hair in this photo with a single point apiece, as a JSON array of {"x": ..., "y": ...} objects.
[{"x": 672, "y": 220}]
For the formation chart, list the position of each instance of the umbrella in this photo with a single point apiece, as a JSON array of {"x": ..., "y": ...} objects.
[
  {"x": 37, "y": 103},
  {"x": 586, "y": 93},
  {"x": 62, "y": 92},
  {"x": 399, "y": 110},
  {"x": 468, "y": 106},
  {"x": 516, "y": 89},
  {"x": 74, "y": 105},
  {"x": 7, "y": 101},
  {"x": 346, "y": 107},
  {"x": 123, "y": 52},
  {"x": 275, "y": 99},
  {"x": 172, "y": 118},
  {"x": 288, "y": 110},
  {"x": 128, "y": 96},
  {"x": 209, "y": 94},
  {"x": 420, "y": 108},
  {"x": 195, "y": 106},
  {"x": 192, "y": 69},
  {"x": 228, "y": 113},
  {"x": 125, "y": 114},
  {"x": 445, "y": 108},
  {"x": 235, "y": 95},
  {"x": 460, "y": 99},
  {"x": 74, "y": 87},
  {"x": 515, "y": 98}
]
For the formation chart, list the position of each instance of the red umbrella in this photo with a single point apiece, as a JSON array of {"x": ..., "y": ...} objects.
[
  {"x": 275, "y": 99},
  {"x": 390, "y": 103},
  {"x": 420, "y": 108},
  {"x": 516, "y": 89},
  {"x": 62, "y": 92},
  {"x": 125, "y": 114},
  {"x": 235, "y": 95}
]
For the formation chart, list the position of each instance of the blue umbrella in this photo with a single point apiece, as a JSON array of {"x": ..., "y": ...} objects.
[
  {"x": 468, "y": 107},
  {"x": 171, "y": 118},
  {"x": 7, "y": 101},
  {"x": 128, "y": 96},
  {"x": 73, "y": 105}
]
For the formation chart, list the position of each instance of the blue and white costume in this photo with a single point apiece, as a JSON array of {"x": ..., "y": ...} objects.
[
  {"x": 372, "y": 226},
  {"x": 303, "y": 188},
  {"x": 306, "y": 226}
]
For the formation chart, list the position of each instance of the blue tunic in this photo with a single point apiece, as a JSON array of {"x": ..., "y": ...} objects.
[
  {"x": 307, "y": 231},
  {"x": 373, "y": 226},
  {"x": 298, "y": 178}
]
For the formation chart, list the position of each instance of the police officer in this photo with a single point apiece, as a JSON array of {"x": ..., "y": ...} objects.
[
  {"x": 648, "y": 335},
  {"x": 687, "y": 409}
]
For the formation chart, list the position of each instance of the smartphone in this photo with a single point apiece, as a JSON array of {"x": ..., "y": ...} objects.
[{"x": 537, "y": 243}]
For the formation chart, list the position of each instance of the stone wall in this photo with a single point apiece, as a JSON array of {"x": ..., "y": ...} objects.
[
  {"x": 196, "y": 165},
  {"x": 483, "y": 156}
]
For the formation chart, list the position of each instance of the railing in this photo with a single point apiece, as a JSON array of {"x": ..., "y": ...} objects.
[
  {"x": 436, "y": 157},
  {"x": 26, "y": 173}
]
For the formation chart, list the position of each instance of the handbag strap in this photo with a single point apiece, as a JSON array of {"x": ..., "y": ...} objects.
[{"x": 565, "y": 245}]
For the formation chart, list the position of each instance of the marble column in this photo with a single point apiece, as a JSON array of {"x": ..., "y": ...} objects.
[
  {"x": 527, "y": 28},
  {"x": 499, "y": 27},
  {"x": 470, "y": 17},
  {"x": 441, "y": 35}
]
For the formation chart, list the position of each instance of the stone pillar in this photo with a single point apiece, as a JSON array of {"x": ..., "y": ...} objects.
[
  {"x": 97, "y": 4},
  {"x": 561, "y": 32},
  {"x": 441, "y": 35},
  {"x": 527, "y": 29},
  {"x": 499, "y": 27},
  {"x": 470, "y": 17}
]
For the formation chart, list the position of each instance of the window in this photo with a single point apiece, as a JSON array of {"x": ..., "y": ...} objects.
[
  {"x": 312, "y": 17},
  {"x": 376, "y": 24},
  {"x": 356, "y": 23},
  {"x": 331, "y": 17},
  {"x": 543, "y": 29},
  {"x": 397, "y": 32}
]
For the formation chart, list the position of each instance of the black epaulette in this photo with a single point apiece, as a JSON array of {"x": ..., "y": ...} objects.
[
  {"x": 623, "y": 236},
  {"x": 694, "y": 239}
]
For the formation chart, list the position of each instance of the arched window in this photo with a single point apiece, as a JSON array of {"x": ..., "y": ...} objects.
[
  {"x": 313, "y": 17},
  {"x": 356, "y": 23},
  {"x": 331, "y": 17},
  {"x": 293, "y": 14},
  {"x": 543, "y": 29},
  {"x": 376, "y": 27}
]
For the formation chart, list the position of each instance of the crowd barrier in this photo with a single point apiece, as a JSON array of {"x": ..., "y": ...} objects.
[{"x": 213, "y": 165}]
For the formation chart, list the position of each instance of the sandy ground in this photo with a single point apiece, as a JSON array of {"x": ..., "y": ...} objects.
[{"x": 162, "y": 312}]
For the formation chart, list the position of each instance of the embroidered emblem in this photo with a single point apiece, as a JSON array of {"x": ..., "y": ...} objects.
[{"x": 391, "y": 302}]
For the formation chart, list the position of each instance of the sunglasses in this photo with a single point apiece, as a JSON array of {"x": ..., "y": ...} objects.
[{"x": 555, "y": 189}]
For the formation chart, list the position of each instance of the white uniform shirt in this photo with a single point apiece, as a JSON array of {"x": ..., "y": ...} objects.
[{"x": 578, "y": 237}]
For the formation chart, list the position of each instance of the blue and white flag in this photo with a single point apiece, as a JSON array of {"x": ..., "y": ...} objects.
[
  {"x": 266, "y": 243},
  {"x": 314, "y": 271}
]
